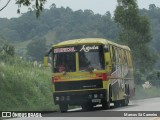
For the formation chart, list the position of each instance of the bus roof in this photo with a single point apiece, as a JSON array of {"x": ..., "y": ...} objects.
[{"x": 88, "y": 41}]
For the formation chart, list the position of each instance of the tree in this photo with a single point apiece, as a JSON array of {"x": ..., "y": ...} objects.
[
  {"x": 36, "y": 5},
  {"x": 9, "y": 49},
  {"x": 135, "y": 32},
  {"x": 10, "y": 35},
  {"x": 6, "y": 48},
  {"x": 37, "y": 48},
  {"x": 154, "y": 78}
]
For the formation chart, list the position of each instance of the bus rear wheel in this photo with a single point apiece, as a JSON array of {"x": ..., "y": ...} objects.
[
  {"x": 125, "y": 102},
  {"x": 117, "y": 104}
]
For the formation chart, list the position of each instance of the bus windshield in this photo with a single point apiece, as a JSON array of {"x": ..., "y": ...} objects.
[
  {"x": 64, "y": 60},
  {"x": 91, "y": 59},
  {"x": 90, "y": 56}
]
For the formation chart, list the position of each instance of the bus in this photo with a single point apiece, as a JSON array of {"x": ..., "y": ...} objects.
[{"x": 91, "y": 71}]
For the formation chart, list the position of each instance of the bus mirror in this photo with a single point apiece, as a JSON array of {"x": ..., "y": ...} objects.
[{"x": 46, "y": 61}]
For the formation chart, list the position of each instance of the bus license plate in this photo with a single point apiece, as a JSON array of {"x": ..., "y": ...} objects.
[{"x": 96, "y": 100}]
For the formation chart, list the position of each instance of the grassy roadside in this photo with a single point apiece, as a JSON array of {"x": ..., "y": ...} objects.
[
  {"x": 25, "y": 88},
  {"x": 142, "y": 93}
]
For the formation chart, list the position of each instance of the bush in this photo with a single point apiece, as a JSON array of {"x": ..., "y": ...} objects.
[
  {"x": 36, "y": 49},
  {"x": 9, "y": 49},
  {"x": 23, "y": 87},
  {"x": 142, "y": 93},
  {"x": 139, "y": 77},
  {"x": 154, "y": 77}
]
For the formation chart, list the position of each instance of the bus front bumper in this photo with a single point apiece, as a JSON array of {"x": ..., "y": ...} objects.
[{"x": 80, "y": 97}]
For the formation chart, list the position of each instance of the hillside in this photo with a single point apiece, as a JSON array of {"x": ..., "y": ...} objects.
[
  {"x": 58, "y": 24},
  {"x": 55, "y": 25}
]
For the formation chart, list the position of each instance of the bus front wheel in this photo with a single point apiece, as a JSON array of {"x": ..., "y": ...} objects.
[
  {"x": 87, "y": 107},
  {"x": 106, "y": 105},
  {"x": 63, "y": 107}
]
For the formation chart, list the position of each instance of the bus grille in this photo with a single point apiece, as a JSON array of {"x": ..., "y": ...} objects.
[{"x": 78, "y": 85}]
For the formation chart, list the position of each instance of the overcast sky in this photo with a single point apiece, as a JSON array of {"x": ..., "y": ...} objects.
[{"x": 97, "y": 6}]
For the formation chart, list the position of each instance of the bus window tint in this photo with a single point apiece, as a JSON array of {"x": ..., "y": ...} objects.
[
  {"x": 64, "y": 62},
  {"x": 113, "y": 59},
  {"x": 93, "y": 59}
]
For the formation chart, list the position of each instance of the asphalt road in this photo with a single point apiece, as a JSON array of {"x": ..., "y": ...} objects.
[{"x": 134, "y": 111}]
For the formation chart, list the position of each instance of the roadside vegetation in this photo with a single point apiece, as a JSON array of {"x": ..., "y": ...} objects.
[
  {"x": 142, "y": 93},
  {"x": 24, "y": 87}
]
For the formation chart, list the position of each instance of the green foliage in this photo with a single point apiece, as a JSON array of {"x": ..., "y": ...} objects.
[
  {"x": 37, "y": 48},
  {"x": 23, "y": 87},
  {"x": 6, "y": 48},
  {"x": 136, "y": 34},
  {"x": 2, "y": 41},
  {"x": 153, "y": 14},
  {"x": 63, "y": 22},
  {"x": 126, "y": 13},
  {"x": 154, "y": 78},
  {"x": 146, "y": 93},
  {"x": 9, "y": 34},
  {"x": 37, "y": 6},
  {"x": 9, "y": 49},
  {"x": 139, "y": 77}
]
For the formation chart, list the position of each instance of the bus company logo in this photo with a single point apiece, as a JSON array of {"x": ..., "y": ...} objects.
[
  {"x": 6, "y": 114},
  {"x": 88, "y": 48}
]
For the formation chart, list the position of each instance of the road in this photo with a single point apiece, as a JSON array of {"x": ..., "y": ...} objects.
[{"x": 146, "y": 107}]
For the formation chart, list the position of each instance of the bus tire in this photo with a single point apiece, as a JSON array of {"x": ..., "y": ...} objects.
[
  {"x": 63, "y": 107},
  {"x": 87, "y": 107},
  {"x": 117, "y": 104},
  {"x": 105, "y": 105},
  {"x": 128, "y": 90},
  {"x": 110, "y": 93},
  {"x": 125, "y": 102}
]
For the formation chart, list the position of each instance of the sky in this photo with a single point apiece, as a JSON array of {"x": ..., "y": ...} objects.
[{"x": 97, "y": 6}]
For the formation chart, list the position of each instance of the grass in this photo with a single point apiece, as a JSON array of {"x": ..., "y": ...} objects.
[
  {"x": 142, "y": 93},
  {"x": 25, "y": 88}
]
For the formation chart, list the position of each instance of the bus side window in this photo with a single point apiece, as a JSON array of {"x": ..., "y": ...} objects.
[
  {"x": 119, "y": 57},
  {"x": 113, "y": 59},
  {"x": 129, "y": 59},
  {"x": 125, "y": 58}
]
